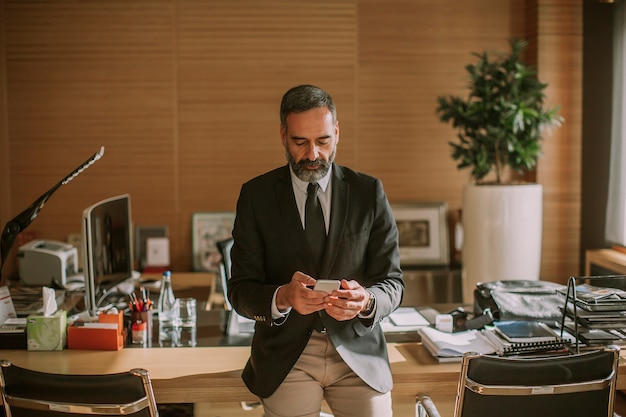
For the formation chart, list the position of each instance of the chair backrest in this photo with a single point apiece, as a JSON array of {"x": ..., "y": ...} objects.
[
  {"x": 552, "y": 386},
  {"x": 235, "y": 324},
  {"x": 224, "y": 247},
  {"x": 26, "y": 392}
]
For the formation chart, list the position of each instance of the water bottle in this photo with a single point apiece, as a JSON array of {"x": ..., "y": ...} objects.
[{"x": 168, "y": 311}]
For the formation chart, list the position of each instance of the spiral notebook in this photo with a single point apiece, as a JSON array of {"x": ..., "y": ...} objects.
[{"x": 516, "y": 337}]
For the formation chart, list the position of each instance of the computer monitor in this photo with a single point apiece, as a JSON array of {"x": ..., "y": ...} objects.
[{"x": 107, "y": 240}]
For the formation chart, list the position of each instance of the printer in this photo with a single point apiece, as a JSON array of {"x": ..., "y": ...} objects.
[{"x": 46, "y": 262}]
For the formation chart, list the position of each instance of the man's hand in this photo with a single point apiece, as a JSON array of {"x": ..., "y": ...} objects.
[
  {"x": 346, "y": 302},
  {"x": 299, "y": 297}
]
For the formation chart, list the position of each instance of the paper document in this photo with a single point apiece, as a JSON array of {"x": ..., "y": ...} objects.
[
  {"x": 441, "y": 344},
  {"x": 408, "y": 316},
  {"x": 404, "y": 319},
  {"x": 7, "y": 310},
  {"x": 13, "y": 325}
]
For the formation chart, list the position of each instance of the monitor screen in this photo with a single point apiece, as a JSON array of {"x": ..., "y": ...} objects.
[{"x": 108, "y": 251}]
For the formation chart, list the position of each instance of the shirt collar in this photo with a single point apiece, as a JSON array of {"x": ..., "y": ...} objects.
[{"x": 302, "y": 185}]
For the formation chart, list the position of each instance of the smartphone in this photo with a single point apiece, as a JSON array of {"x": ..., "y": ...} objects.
[{"x": 327, "y": 285}]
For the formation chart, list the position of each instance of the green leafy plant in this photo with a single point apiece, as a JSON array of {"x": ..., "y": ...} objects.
[{"x": 502, "y": 120}]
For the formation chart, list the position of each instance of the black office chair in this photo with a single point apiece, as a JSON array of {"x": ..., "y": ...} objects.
[
  {"x": 557, "y": 386},
  {"x": 29, "y": 393},
  {"x": 224, "y": 247},
  {"x": 234, "y": 325}
]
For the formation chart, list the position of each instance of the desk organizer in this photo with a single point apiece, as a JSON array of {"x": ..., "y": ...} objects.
[
  {"x": 107, "y": 333},
  {"x": 595, "y": 310}
]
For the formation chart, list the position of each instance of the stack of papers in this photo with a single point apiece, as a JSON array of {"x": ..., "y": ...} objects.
[
  {"x": 404, "y": 319},
  {"x": 597, "y": 316},
  {"x": 13, "y": 325},
  {"x": 593, "y": 298},
  {"x": 506, "y": 338},
  {"x": 7, "y": 310},
  {"x": 450, "y": 347}
]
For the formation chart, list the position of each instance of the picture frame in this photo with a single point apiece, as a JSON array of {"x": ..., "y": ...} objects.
[
  {"x": 207, "y": 229},
  {"x": 142, "y": 234},
  {"x": 423, "y": 233}
]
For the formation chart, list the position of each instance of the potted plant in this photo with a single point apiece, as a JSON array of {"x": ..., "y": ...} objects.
[{"x": 500, "y": 126}]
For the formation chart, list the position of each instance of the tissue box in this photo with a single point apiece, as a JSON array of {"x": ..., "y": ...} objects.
[{"x": 46, "y": 332}]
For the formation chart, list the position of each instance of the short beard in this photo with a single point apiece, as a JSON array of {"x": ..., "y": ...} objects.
[{"x": 307, "y": 175}]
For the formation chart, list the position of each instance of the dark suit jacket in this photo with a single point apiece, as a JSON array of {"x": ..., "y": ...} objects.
[{"x": 270, "y": 246}]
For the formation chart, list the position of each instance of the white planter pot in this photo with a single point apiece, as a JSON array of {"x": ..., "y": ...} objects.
[{"x": 502, "y": 226}]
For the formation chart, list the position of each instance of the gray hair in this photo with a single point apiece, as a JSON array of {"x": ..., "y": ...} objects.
[{"x": 305, "y": 97}]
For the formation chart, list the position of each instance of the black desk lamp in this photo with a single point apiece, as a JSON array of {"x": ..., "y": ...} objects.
[{"x": 22, "y": 220}]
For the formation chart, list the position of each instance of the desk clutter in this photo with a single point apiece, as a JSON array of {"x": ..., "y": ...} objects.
[
  {"x": 535, "y": 318},
  {"x": 503, "y": 338},
  {"x": 592, "y": 313},
  {"x": 52, "y": 328}
]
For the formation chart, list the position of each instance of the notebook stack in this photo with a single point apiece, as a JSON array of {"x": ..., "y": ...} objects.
[
  {"x": 524, "y": 337},
  {"x": 505, "y": 338}
]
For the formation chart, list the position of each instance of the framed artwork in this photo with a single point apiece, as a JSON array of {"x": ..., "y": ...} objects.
[
  {"x": 423, "y": 233},
  {"x": 207, "y": 229},
  {"x": 142, "y": 234}
]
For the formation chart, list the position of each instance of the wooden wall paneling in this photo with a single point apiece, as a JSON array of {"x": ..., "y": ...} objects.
[
  {"x": 184, "y": 95},
  {"x": 236, "y": 59},
  {"x": 410, "y": 52},
  {"x": 559, "y": 49},
  {"x": 82, "y": 75}
]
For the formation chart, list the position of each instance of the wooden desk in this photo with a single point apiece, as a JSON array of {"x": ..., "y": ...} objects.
[
  {"x": 606, "y": 258},
  {"x": 213, "y": 374}
]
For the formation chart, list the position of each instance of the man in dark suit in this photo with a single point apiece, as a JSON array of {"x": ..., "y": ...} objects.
[{"x": 311, "y": 345}]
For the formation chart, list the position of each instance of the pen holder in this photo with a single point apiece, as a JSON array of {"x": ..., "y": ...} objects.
[{"x": 144, "y": 317}]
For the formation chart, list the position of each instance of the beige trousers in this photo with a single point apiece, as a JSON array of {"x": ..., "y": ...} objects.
[{"x": 320, "y": 373}]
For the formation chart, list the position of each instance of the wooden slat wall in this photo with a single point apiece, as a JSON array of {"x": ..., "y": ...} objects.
[
  {"x": 184, "y": 96},
  {"x": 408, "y": 57},
  {"x": 235, "y": 60}
]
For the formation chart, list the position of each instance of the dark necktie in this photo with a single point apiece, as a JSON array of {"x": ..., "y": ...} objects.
[{"x": 314, "y": 227}]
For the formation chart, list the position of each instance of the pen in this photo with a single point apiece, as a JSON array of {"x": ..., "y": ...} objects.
[{"x": 133, "y": 301}]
